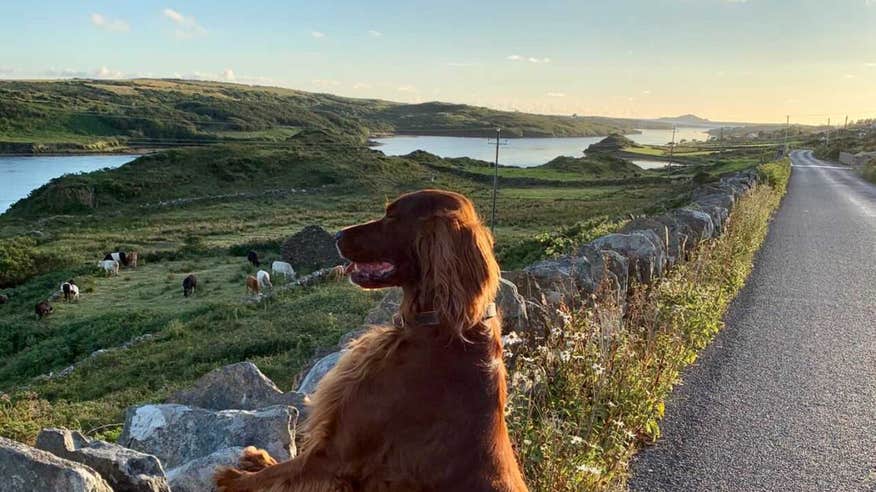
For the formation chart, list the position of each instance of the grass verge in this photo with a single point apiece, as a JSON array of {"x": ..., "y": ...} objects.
[{"x": 591, "y": 390}]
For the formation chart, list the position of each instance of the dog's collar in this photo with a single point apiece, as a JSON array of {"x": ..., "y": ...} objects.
[{"x": 431, "y": 318}]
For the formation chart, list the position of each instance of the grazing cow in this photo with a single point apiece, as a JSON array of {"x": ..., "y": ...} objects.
[
  {"x": 281, "y": 267},
  {"x": 43, "y": 309},
  {"x": 264, "y": 280},
  {"x": 253, "y": 258},
  {"x": 119, "y": 256},
  {"x": 252, "y": 285},
  {"x": 189, "y": 284},
  {"x": 111, "y": 267},
  {"x": 133, "y": 257},
  {"x": 3, "y": 299},
  {"x": 70, "y": 290}
]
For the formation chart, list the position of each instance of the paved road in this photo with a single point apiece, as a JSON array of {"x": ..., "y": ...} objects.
[{"x": 785, "y": 397}]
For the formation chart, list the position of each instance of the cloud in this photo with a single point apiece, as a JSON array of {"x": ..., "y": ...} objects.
[
  {"x": 106, "y": 73},
  {"x": 555, "y": 94},
  {"x": 870, "y": 64},
  {"x": 406, "y": 88},
  {"x": 317, "y": 34},
  {"x": 849, "y": 76},
  {"x": 7, "y": 70},
  {"x": 228, "y": 74},
  {"x": 739, "y": 1},
  {"x": 646, "y": 92},
  {"x": 186, "y": 26},
  {"x": 530, "y": 59},
  {"x": 107, "y": 24},
  {"x": 361, "y": 85},
  {"x": 375, "y": 34}
]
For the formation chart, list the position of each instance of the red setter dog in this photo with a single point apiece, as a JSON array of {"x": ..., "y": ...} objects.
[{"x": 418, "y": 406}]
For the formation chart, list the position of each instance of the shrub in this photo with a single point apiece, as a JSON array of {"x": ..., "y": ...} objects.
[
  {"x": 21, "y": 259},
  {"x": 869, "y": 171}
]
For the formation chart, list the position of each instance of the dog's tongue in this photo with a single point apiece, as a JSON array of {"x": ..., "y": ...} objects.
[{"x": 373, "y": 268}]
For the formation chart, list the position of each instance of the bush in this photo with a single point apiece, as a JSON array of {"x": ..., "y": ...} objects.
[
  {"x": 869, "y": 171},
  {"x": 21, "y": 259},
  {"x": 776, "y": 174}
]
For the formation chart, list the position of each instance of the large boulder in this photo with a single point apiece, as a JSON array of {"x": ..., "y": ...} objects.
[
  {"x": 311, "y": 248},
  {"x": 197, "y": 475},
  {"x": 177, "y": 434},
  {"x": 240, "y": 386},
  {"x": 647, "y": 260},
  {"x": 124, "y": 469},
  {"x": 27, "y": 469},
  {"x": 318, "y": 371}
]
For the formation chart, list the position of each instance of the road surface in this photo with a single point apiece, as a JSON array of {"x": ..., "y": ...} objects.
[{"x": 785, "y": 397}]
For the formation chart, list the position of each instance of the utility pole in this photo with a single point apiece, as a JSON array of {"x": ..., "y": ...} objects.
[
  {"x": 846, "y": 124},
  {"x": 671, "y": 150},
  {"x": 787, "y": 130},
  {"x": 828, "y": 131},
  {"x": 495, "y": 185}
]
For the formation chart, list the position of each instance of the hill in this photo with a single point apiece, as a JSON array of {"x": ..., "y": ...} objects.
[
  {"x": 103, "y": 115},
  {"x": 612, "y": 143},
  {"x": 687, "y": 120}
]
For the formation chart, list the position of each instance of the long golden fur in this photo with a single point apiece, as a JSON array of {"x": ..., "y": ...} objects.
[{"x": 414, "y": 407}]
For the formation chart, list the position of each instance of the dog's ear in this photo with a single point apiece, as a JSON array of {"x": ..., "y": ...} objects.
[{"x": 458, "y": 272}]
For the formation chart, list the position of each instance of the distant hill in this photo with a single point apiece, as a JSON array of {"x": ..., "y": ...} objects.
[
  {"x": 100, "y": 115},
  {"x": 687, "y": 120}
]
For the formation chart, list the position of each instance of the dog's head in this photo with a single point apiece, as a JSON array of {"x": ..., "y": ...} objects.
[{"x": 431, "y": 243}]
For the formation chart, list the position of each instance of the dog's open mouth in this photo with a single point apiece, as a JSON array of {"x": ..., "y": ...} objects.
[{"x": 370, "y": 274}]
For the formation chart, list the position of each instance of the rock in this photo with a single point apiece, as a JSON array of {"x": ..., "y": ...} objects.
[
  {"x": 512, "y": 306},
  {"x": 647, "y": 260},
  {"x": 717, "y": 213},
  {"x": 124, "y": 469},
  {"x": 698, "y": 221},
  {"x": 351, "y": 335},
  {"x": 383, "y": 313},
  {"x": 311, "y": 248},
  {"x": 608, "y": 269},
  {"x": 557, "y": 280},
  {"x": 197, "y": 475},
  {"x": 318, "y": 371},
  {"x": 680, "y": 236},
  {"x": 27, "y": 469},
  {"x": 176, "y": 434},
  {"x": 240, "y": 386}
]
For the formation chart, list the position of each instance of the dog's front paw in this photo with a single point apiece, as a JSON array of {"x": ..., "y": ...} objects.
[{"x": 254, "y": 459}]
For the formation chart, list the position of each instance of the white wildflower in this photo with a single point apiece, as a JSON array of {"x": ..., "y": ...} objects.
[{"x": 584, "y": 468}]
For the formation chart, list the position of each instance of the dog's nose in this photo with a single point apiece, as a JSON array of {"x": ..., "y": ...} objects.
[{"x": 339, "y": 235}]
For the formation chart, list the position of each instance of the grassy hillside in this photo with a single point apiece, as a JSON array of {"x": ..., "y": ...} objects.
[
  {"x": 200, "y": 210},
  {"x": 102, "y": 115}
]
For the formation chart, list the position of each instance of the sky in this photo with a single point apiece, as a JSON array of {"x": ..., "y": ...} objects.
[{"x": 727, "y": 60}]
